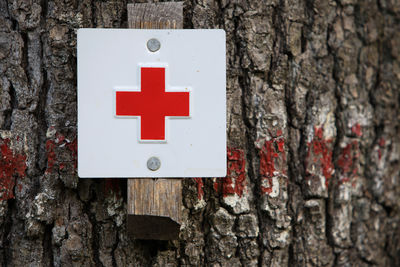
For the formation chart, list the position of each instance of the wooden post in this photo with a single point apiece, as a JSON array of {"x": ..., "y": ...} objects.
[{"x": 154, "y": 205}]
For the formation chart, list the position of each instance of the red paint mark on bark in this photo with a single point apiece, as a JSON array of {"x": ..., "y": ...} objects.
[
  {"x": 59, "y": 138},
  {"x": 271, "y": 153},
  {"x": 318, "y": 132},
  {"x": 52, "y": 146},
  {"x": 268, "y": 189},
  {"x": 281, "y": 144},
  {"x": 51, "y": 155},
  {"x": 12, "y": 165},
  {"x": 235, "y": 180},
  {"x": 347, "y": 162},
  {"x": 267, "y": 156},
  {"x": 381, "y": 143},
  {"x": 356, "y": 129},
  {"x": 322, "y": 152},
  {"x": 62, "y": 166},
  {"x": 73, "y": 147},
  {"x": 200, "y": 192}
]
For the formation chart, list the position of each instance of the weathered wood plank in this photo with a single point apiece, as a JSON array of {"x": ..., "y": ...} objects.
[
  {"x": 154, "y": 205},
  {"x": 167, "y": 15}
]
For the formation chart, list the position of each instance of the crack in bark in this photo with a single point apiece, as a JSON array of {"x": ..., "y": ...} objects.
[{"x": 47, "y": 245}]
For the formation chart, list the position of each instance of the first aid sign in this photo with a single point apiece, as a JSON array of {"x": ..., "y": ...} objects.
[
  {"x": 139, "y": 106},
  {"x": 152, "y": 104}
]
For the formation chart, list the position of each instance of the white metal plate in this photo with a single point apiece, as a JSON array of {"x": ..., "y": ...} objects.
[{"x": 109, "y": 60}]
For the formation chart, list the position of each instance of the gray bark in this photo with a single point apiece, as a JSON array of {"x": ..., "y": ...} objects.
[{"x": 313, "y": 140}]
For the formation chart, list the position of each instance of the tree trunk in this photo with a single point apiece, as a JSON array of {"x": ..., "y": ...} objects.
[{"x": 313, "y": 90}]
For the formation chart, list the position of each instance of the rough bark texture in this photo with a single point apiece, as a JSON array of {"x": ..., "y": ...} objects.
[{"x": 313, "y": 94}]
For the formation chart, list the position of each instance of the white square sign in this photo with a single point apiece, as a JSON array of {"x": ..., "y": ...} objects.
[{"x": 151, "y": 103}]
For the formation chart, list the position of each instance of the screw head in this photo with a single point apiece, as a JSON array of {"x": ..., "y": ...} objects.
[
  {"x": 153, "y": 163},
  {"x": 153, "y": 45}
]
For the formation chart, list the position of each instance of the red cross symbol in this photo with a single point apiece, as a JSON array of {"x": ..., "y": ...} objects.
[{"x": 152, "y": 104}]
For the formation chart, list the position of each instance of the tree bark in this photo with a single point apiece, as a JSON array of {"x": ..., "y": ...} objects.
[{"x": 313, "y": 95}]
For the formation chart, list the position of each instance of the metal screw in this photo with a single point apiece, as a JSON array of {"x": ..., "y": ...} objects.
[
  {"x": 153, "y": 163},
  {"x": 153, "y": 45}
]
